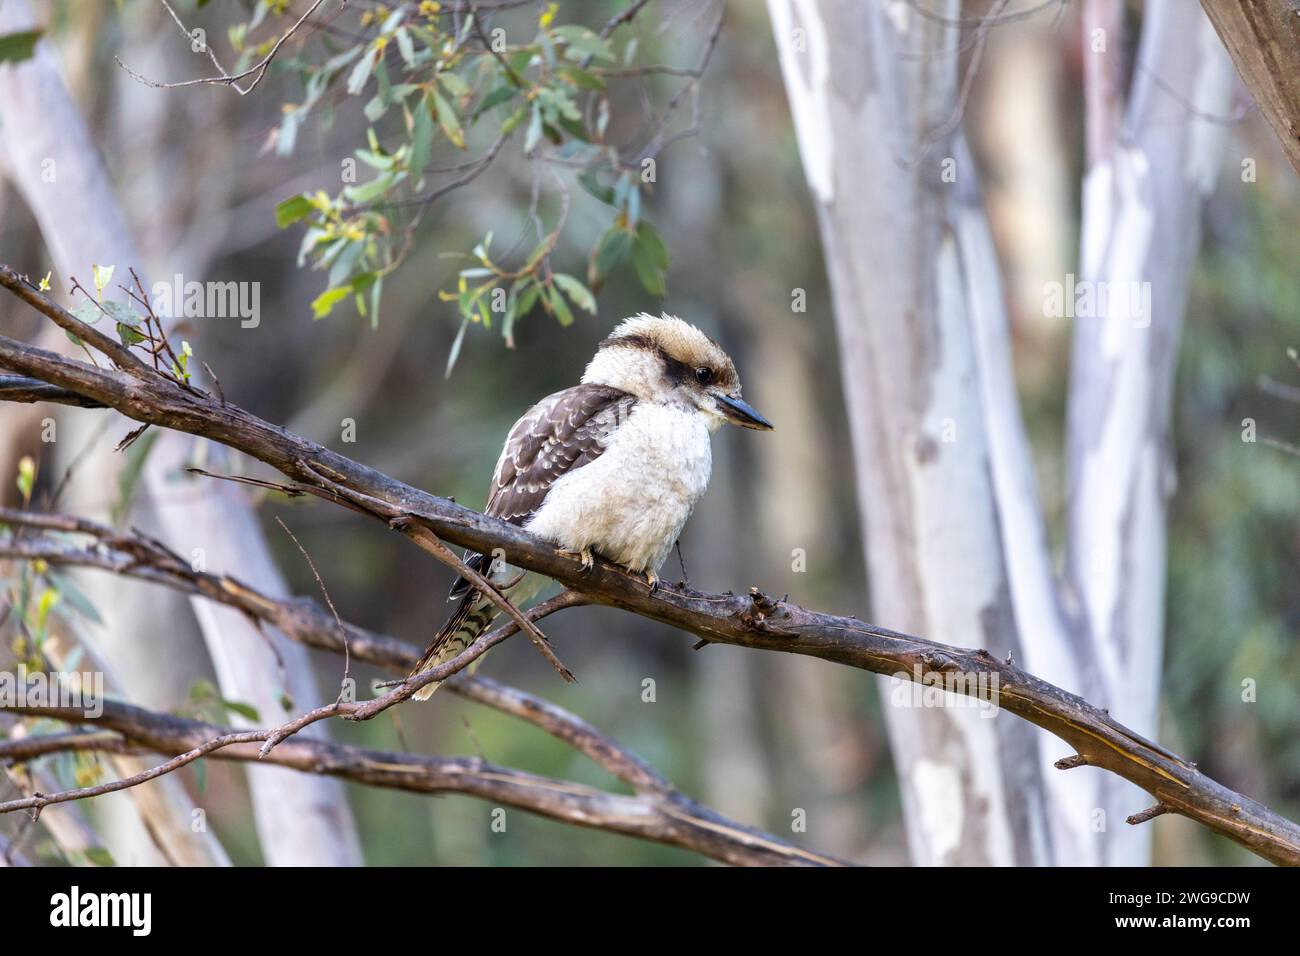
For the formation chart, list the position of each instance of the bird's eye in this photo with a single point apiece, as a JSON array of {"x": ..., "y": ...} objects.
[{"x": 704, "y": 375}]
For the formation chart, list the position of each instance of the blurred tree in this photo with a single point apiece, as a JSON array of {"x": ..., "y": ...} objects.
[{"x": 956, "y": 541}]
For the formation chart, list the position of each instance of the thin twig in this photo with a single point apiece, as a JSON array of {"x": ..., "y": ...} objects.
[
  {"x": 343, "y": 633},
  {"x": 227, "y": 79}
]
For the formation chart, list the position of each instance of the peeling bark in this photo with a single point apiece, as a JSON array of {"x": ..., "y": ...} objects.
[
  {"x": 872, "y": 93},
  {"x": 1142, "y": 204}
]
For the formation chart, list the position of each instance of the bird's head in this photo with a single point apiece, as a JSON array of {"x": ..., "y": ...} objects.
[{"x": 666, "y": 361}]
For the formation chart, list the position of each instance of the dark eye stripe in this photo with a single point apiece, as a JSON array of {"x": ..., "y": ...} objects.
[{"x": 678, "y": 372}]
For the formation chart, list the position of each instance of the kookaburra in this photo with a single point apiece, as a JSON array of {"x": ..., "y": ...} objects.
[{"x": 612, "y": 467}]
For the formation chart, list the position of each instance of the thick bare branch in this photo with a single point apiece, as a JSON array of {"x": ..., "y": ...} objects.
[{"x": 19, "y": 388}]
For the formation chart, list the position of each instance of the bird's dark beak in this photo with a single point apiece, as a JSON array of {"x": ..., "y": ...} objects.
[{"x": 739, "y": 412}]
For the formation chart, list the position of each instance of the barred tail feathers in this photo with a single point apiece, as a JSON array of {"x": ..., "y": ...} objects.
[{"x": 470, "y": 620}]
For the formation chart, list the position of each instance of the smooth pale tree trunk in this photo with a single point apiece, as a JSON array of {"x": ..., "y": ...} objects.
[
  {"x": 301, "y": 819},
  {"x": 873, "y": 95},
  {"x": 953, "y": 530},
  {"x": 1142, "y": 200}
]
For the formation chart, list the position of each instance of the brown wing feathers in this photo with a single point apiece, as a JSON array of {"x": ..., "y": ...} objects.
[{"x": 559, "y": 434}]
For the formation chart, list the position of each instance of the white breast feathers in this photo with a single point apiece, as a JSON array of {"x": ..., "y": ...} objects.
[{"x": 629, "y": 505}]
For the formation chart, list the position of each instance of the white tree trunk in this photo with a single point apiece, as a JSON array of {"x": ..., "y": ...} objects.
[
  {"x": 873, "y": 89},
  {"x": 953, "y": 531},
  {"x": 1142, "y": 202}
]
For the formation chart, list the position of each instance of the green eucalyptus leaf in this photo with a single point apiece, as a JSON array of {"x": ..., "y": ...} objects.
[
  {"x": 527, "y": 298},
  {"x": 128, "y": 477},
  {"x": 123, "y": 313},
  {"x": 534, "y": 134},
  {"x": 361, "y": 72},
  {"x": 323, "y": 303},
  {"x": 376, "y": 108},
  {"x": 582, "y": 43},
  {"x": 455, "y": 346},
  {"x": 378, "y": 161},
  {"x": 100, "y": 856},
  {"x": 373, "y": 190},
  {"x": 650, "y": 258},
  {"x": 512, "y": 122},
  {"x": 576, "y": 291},
  {"x": 498, "y": 96},
  {"x": 247, "y": 711},
  {"x": 394, "y": 19},
  {"x": 613, "y": 249},
  {"x": 288, "y": 134},
  {"x": 405, "y": 46},
  {"x": 74, "y": 597},
  {"x": 561, "y": 308},
  {"x": 376, "y": 293},
  {"x": 453, "y": 83},
  {"x": 581, "y": 78},
  {"x": 88, "y": 312},
  {"x": 448, "y": 120},
  {"x": 589, "y": 181},
  {"x": 16, "y": 47},
  {"x": 421, "y": 140},
  {"x": 292, "y": 209},
  {"x": 341, "y": 270}
]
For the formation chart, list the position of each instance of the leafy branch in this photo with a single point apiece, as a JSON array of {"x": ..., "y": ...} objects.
[{"x": 431, "y": 76}]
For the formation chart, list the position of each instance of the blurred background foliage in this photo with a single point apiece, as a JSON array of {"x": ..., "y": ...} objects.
[{"x": 756, "y": 736}]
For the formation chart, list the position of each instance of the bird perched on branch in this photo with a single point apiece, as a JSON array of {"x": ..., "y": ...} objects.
[{"x": 612, "y": 467}]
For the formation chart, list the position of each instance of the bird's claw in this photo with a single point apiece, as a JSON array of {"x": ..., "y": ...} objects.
[
  {"x": 585, "y": 556},
  {"x": 651, "y": 579}
]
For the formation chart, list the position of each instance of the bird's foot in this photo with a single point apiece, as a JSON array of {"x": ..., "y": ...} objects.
[
  {"x": 588, "y": 559},
  {"x": 652, "y": 580}
]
